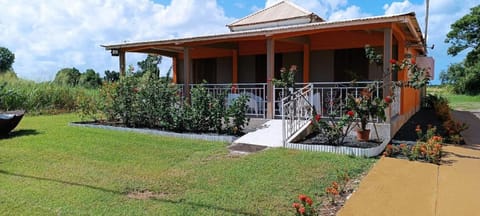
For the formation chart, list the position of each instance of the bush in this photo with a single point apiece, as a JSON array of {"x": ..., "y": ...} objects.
[{"x": 151, "y": 102}]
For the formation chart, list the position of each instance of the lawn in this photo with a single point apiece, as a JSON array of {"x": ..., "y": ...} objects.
[
  {"x": 50, "y": 168},
  {"x": 457, "y": 102}
]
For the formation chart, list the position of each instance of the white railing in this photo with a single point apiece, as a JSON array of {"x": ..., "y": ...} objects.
[
  {"x": 256, "y": 92},
  {"x": 397, "y": 97},
  {"x": 296, "y": 112},
  {"x": 329, "y": 96}
]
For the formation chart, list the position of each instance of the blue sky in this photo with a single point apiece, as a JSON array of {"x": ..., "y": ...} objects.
[{"x": 47, "y": 35}]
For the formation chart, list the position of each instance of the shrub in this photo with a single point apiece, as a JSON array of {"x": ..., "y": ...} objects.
[
  {"x": 333, "y": 130},
  {"x": 151, "y": 102},
  {"x": 428, "y": 147}
]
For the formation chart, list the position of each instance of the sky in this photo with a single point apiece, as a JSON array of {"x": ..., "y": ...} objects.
[{"x": 48, "y": 35}]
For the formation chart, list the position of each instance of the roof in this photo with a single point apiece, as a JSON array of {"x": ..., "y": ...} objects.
[
  {"x": 407, "y": 20},
  {"x": 279, "y": 14}
]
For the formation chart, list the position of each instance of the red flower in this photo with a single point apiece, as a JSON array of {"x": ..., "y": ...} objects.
[
  {"x": 393, "y": 61},
  {"x": 318, "y": 117},
  {"x": 413, "y": 61},
  {"x": 302, "y": 197},
  {"x": 388, "y": 99},
  {"x": 296, "y": 205},
  {"x": 301, "y": 210},
  {"x": 350, "y": 113},
  {"x": 309, "y": 201}
]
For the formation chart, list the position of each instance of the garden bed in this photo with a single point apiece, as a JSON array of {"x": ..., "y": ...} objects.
[
  {"x": 122, "y": 127},
  {"x": 424, "y": 117},
  {"x": 350, "y": 141}
]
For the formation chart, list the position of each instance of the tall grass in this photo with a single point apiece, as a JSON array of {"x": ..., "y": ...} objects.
[
  {"x": 39, "y": 98},
  {"x": 456, "y": 101}
]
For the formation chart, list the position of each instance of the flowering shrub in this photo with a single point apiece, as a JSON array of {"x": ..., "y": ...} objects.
[
  {"x": 304, "y": 207},
  {"x": 417, "y": 77},
  {"x": 333, "y": 130},
  {"x": 287, "y": 77},
  {"x": 332, "y": 191},
  {"x": 367, "y": 106},
  {"x": 428, "y": 147}
]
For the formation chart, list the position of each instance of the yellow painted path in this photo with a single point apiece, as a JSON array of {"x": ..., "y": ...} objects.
[{"x": 401, "y": 187}]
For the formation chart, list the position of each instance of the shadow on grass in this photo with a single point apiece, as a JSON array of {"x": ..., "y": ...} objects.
[
  {"x": 180, "y": 201},
  {"x": 20, "y": 133}
]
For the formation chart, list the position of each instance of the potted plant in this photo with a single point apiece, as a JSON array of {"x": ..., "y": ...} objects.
[{"x": 367, "y": 107}]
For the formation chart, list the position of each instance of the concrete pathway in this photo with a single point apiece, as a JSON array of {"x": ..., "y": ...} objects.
[
  {"x": 400, "y": 187},
  {"x": 269, "y": 135}
]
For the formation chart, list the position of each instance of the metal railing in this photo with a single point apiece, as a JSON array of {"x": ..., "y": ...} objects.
[
  {"x": 256, "y": 92},
  {"x": 296, "y": 110},
  {"x": 326, "y": 96},
  {"x": 329, "y": 96},
  {"x": 397, "y": 98}
]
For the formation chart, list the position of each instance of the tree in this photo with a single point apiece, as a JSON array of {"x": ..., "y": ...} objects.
[
  {"x": 111, "y": 76},
  {"x": 464, "y": 34},
  {"x": 67, "y": 76},
  {"x": 90, "y": 79},
  {"x": 150, "y": 65},
  {"x": 6, "y": 59},
  {"x": 465, "y": 76}
]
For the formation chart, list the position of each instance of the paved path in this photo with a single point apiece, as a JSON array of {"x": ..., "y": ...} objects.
[
  {"x": 269, "y": 135},
  {"x": 400, "y": 187}
]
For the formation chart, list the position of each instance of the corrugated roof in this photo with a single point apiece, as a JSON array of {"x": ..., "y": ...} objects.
[
  {"x": 283, "y": 10},
  {"x": 399, "y": 18}
]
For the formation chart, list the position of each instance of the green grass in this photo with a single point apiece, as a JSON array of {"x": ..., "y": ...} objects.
[
  {"x": 457, "y": 102},
  {"x": 50, "y": 168}
]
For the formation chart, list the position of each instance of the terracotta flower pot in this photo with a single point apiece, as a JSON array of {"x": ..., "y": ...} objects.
[{"x": 363, "y": 135}]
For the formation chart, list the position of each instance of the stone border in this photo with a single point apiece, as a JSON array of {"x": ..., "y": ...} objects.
[
  {"x": 359, "y": 152},
  {"x": 206, "y": 137}
]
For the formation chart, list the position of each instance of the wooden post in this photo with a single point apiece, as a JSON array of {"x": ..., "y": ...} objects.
[
  {"x": 121, "y": 55},
  {"x": 187, "y": 72},
  {"x": 404, "y": 74},
  {"x": 234, "y": 70},
  {"x": 387, "y": 74},
  {"x": 174, "y": 69},
  {"x": 270, "y": 76},
  {"x": 306, "y": 63}
]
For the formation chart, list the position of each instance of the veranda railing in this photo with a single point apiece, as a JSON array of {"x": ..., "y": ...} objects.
[
  {"x": 256, "y": 92},
  {"x": 328, "y": 96}
]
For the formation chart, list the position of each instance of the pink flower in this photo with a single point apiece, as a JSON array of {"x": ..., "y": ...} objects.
[{"x": 301, "y": 210}]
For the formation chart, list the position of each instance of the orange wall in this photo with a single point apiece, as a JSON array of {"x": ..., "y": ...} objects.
[
  {"x": 345, "y": 40},
  {"x": 410, "y": 96}
]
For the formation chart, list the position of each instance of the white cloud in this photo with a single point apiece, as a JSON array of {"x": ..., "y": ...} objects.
[
  {"x": 348, "y": 13},
  {"x": 47, "y": 35}
]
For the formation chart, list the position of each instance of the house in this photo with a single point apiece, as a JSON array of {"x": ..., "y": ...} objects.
[{"x": 329, "y": 54}]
